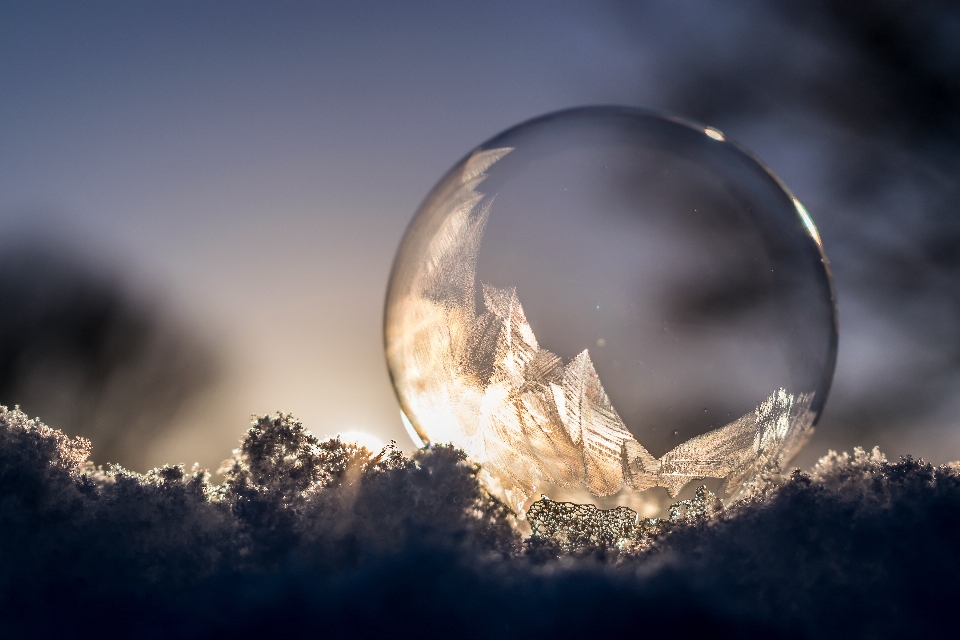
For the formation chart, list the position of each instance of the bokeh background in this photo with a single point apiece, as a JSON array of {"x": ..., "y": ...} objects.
[{"x": 200, "y": 202}]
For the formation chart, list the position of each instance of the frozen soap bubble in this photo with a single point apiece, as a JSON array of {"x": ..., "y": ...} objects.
[{"x": 605, "y": 304}]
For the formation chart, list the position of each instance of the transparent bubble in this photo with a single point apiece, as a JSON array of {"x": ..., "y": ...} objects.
[{"x": 610, "y": 304}]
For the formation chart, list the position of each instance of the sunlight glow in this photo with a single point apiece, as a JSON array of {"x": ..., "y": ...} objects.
[{"x": 369, "y": 442}]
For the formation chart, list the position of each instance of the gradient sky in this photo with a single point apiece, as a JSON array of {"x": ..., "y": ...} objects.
[{"x": 254, "y": 165}]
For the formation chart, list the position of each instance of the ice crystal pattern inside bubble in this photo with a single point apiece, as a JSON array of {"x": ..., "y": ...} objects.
[{"x": 469, "y": 367}]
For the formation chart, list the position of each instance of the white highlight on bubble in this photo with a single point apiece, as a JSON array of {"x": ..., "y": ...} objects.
[
  {"x": 417, "y": 440},
  {"x": 716, "y": 134},
  {"x": 807, "y": 221}
]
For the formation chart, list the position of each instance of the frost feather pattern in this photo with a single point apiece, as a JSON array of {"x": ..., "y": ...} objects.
[{"x": 482, "y": 382}]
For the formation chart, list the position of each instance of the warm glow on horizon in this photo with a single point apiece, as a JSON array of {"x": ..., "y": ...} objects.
[{"x": 365, "y": 440}]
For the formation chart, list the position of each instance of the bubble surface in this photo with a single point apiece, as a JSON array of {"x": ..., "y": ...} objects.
[{"x": 608, "y": 301}]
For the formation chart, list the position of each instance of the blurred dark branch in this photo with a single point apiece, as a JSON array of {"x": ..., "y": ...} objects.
[
  {"x": 79, "y": 350},
  {"x": 872, "y": 89}
]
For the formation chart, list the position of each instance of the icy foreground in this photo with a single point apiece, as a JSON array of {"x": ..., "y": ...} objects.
[{"x": 327, "y": 540}]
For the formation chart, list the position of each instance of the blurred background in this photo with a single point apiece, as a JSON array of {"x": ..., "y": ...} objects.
[{"x": 200, "y": 202}]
